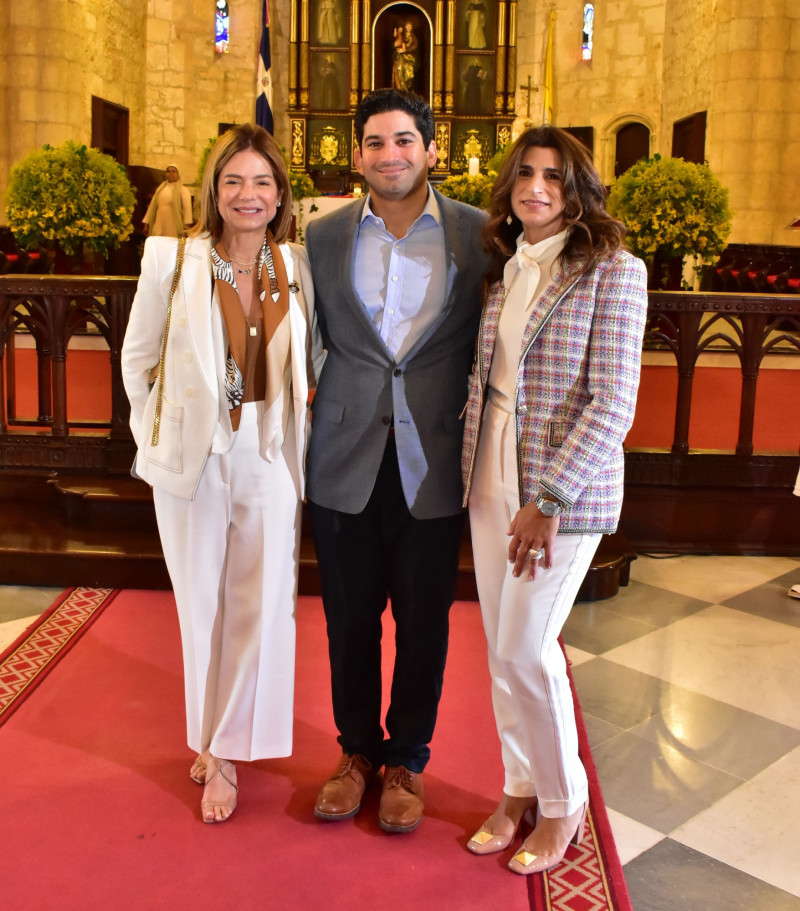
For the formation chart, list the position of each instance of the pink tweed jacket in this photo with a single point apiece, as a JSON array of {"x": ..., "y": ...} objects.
[{"x": 576, "y": 390}]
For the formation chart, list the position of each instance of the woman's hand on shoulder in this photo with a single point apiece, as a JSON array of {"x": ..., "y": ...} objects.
[{"x": 530, "y": 530}]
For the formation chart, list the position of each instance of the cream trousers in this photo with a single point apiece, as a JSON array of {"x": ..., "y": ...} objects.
[
  {"x": 232, "y": 555},
  {"x": 522, "y": 619}
]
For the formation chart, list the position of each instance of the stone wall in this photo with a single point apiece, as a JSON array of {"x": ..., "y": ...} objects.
[
  {"x": 623, "y": 81},
  {"x": 655, "y": 62},
  {"x": 753, "y": 141},
  {"x": 56, "y": 56},
  {"x": 154, "y": 57}
]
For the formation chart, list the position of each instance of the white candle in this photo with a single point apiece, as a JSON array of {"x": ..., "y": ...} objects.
[{"x": 474, "y": 167}]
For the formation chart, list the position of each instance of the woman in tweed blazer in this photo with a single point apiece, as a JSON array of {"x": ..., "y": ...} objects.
[{"x": 552, "y": 397}]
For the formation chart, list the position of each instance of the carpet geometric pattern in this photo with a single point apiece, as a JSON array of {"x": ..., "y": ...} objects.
[
  {"x": 24, "y": 664},
  {"x": 589, "y": 879},
  {"x": 580, "y": 882}
]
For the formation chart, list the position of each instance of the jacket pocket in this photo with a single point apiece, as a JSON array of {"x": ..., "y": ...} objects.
[
  {"x": 168, "y": 453},
  {"x": 327, "y": 410},
  {"x": 557, "y": 433}
]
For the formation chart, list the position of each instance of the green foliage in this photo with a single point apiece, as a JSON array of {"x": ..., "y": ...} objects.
[
  {"x": 202, "y": 161},
  {"x": 496, "y": 162},
  {"x": 69, "y": 196},
  {"x": 475, "y": 191},
  {"x": 302, "y": 185},
  {"x": 672, "y": 207}
]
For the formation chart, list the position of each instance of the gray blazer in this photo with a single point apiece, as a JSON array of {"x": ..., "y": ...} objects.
[{"x": 362, "y": 390}]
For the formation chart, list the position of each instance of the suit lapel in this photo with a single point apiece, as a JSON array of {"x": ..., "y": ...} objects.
[
  {"x": 544, "y": 308},
  {"x": 195, "y": 286},
  {"x": 352, "y": 297},
  {"x": 453, "y": 247}
]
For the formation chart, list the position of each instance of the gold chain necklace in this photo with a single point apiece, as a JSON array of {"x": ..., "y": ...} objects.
[{"x": 244, "y": 271}]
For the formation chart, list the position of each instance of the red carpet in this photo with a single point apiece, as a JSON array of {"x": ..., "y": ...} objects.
[{"x": 99, "y": 811}]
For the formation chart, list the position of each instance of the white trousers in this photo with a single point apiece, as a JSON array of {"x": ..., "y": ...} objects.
[
  {"x": 531, "y": 695},
  {"x": 232, "y": 556}
]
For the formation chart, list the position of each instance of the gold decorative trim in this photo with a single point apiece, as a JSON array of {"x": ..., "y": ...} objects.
[
  {"x": 503, "y": 136},
  {"x": 442, "y": 146},
  {"x": 298, "y": 128},
  {"x": 329, "y": 148}
]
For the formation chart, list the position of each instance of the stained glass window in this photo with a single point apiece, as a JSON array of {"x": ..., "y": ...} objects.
[
  {"x": 221, "y": 27},
  {"x": 588, "y": 31}
]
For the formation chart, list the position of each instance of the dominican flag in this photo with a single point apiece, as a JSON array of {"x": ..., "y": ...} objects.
[{"x": 264, "y": 87}]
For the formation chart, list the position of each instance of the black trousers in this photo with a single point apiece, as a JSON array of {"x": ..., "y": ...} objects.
[{"x": 364, "y": 559}]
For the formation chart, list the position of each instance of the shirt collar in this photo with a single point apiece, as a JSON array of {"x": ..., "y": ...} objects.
[
  {"x": 431, "y": 208},
  {"x": 543, "y": 249}
]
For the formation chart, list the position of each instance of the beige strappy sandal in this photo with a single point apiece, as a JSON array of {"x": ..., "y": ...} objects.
[
  {"x": 198, "y": 770},
  {"x": 217, "y": 767}
]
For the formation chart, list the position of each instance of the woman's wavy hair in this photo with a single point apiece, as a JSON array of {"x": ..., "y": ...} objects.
[
  {"x": 238, "y": 139},
  {"x": 594, "y": 234}
]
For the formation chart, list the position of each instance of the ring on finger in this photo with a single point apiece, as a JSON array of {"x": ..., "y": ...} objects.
[{"x": 535, "y": 554}]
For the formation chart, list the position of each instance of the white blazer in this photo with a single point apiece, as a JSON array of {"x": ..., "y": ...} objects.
[{"x": 194, "y": 414}]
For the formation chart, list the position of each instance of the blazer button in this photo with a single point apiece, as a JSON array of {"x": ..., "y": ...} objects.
[
  {"x": 187, "y": 357},
  {"x": 398, "y": 372},
  {"x": 386, "y": 421},
  {"x": 182, "y": 322},
  {"x": 191, "y": 392}
]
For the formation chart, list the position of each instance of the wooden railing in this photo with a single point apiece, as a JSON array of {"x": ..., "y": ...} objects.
[
  {"x": 751, "y": 326},
  {"x": 53, "y": 309}
]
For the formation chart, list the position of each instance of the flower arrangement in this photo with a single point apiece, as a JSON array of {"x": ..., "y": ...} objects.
[
  {"x": 302, "y": 187},
  {"x": 474, "y": 191},
  {"x": 672, "y": 209},
  {"x": 69, "y": 196}
]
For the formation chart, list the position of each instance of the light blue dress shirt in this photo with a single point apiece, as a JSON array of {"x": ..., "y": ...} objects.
[{"x": 401, "y": 283}]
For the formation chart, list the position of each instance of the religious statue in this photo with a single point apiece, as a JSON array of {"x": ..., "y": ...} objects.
[
  {"x": 328, "y": 97},
  {"x": 329, "y": 23},
  {"x": 476, "y": 25},
  {"x": 474, "y": 79},
  {"x": 405, "y": 62}
]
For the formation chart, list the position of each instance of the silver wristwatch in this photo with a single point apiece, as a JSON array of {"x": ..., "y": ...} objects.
[{"x": 549, "y": 508}]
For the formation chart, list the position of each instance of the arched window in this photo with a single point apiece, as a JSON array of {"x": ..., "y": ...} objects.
[
  {"x": 587, "y": 43},
  {"x": 632, "y": 144}
]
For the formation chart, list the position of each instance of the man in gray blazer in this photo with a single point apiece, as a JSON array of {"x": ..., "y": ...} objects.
[{"x": 398, "y": 283}]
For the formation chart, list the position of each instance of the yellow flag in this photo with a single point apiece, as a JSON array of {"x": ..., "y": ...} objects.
[{"x": 547, "y": 66}]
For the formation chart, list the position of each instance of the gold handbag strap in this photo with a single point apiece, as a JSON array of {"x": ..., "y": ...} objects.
[{"x": 160, "y": 394}]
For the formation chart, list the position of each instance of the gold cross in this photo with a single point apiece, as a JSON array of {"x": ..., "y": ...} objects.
[{"x": 529, "y": 89}]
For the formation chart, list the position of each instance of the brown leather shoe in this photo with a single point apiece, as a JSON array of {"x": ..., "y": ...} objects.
[
  {"x": 340, "y": 796},
  {"x": 402, "y": 800}
]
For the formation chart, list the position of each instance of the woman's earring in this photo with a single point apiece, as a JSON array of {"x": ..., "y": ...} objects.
[
  {"x": 509, "y": 220},
  {"x": 278, "y": 203}
]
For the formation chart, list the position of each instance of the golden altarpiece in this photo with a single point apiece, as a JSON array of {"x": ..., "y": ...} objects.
[{"x": 459, "y": 55}]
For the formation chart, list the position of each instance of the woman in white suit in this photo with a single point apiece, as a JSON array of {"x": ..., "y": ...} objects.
[{"x": 221, "y": 438}]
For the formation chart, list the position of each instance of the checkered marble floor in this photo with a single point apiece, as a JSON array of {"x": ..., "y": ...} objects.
[{"x": 689, "y": 681}]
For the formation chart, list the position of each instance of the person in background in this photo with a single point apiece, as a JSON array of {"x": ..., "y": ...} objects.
[
  {"x": 398, "y": 278},
  {"x": 794, "y": 591},
  {"x": 226, "y": 465},
  {"x": 170, "y": 211},
  {"x": 551, "y": 400}
]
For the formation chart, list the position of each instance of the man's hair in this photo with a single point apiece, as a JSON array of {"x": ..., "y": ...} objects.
[{"x": 383, "y": 100}]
